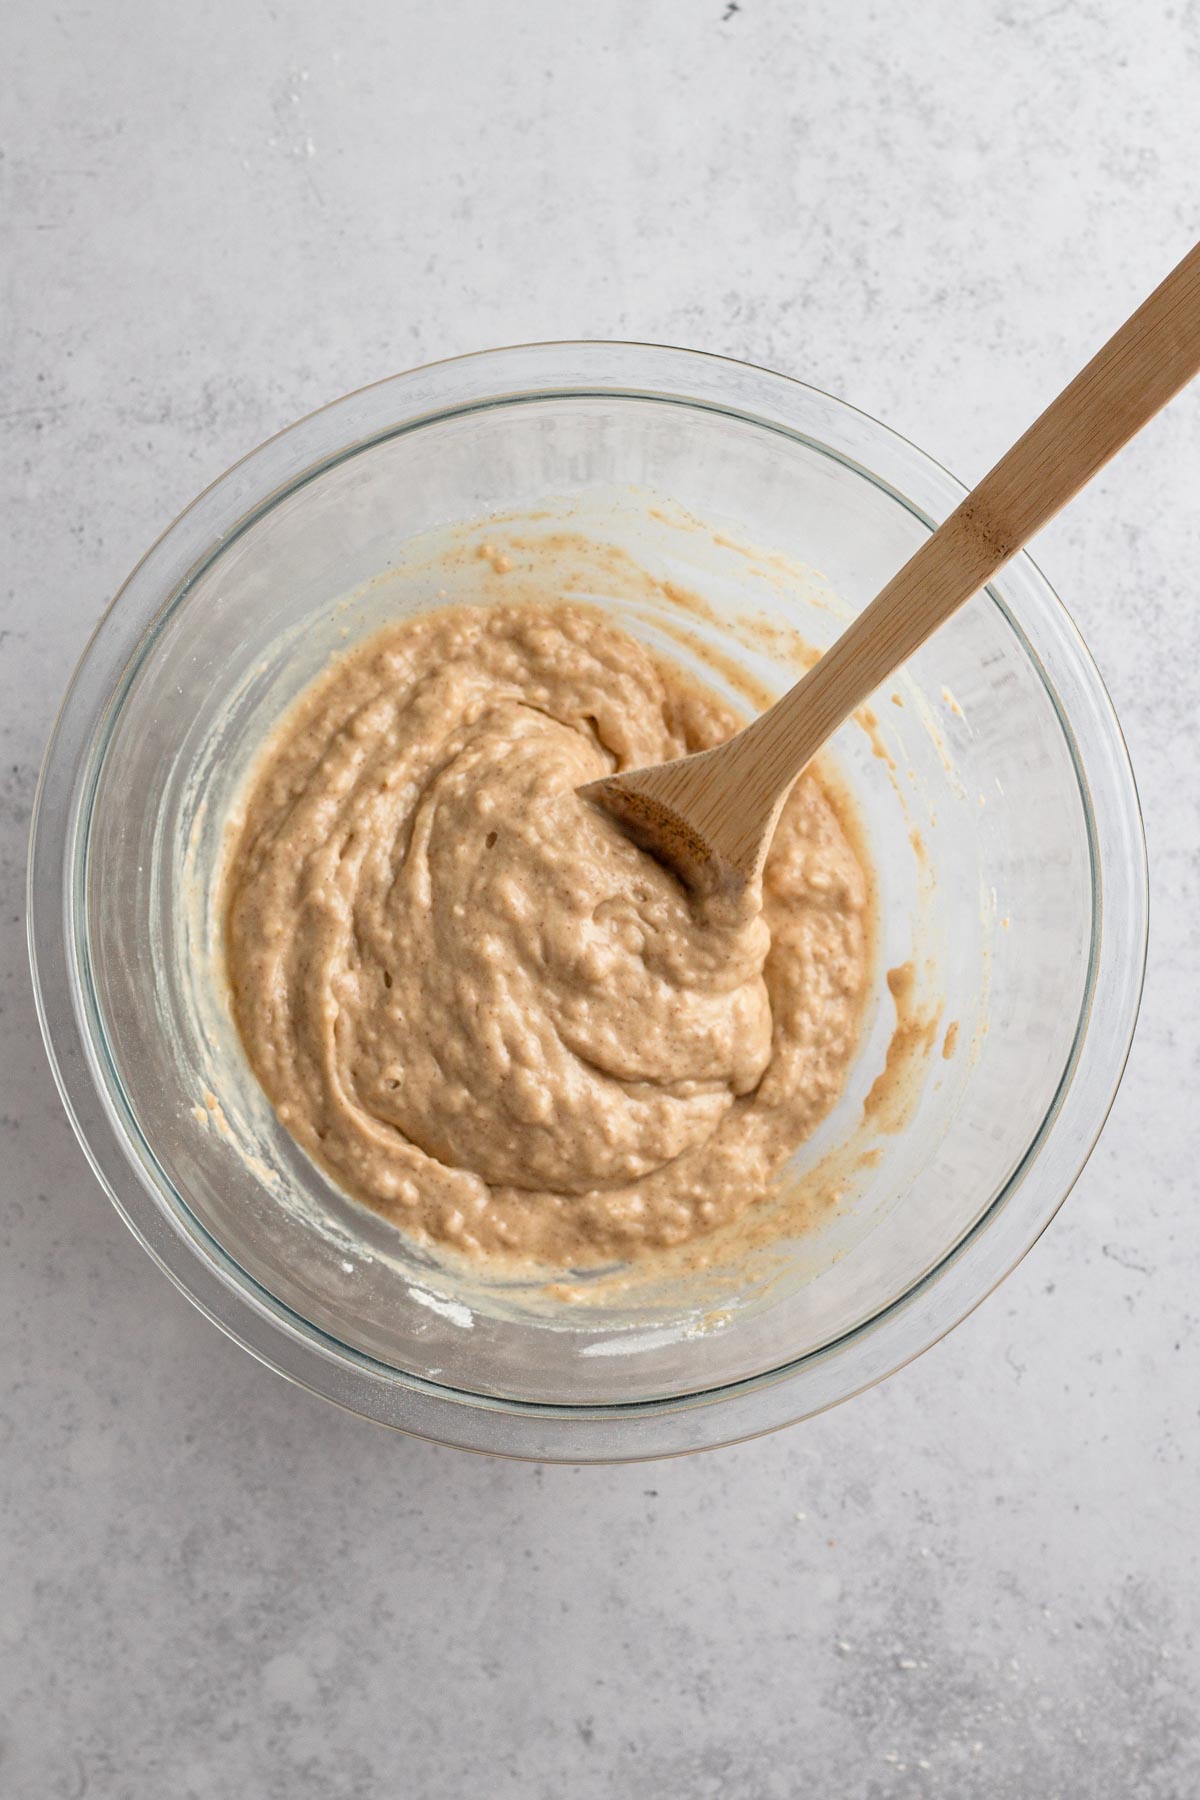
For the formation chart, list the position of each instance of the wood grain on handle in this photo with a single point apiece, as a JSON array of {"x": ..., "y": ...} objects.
[{"x": 1153, "y": 355}]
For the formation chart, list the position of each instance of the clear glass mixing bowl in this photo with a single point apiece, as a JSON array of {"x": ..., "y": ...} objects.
[{"x": 1022, "y": 907}]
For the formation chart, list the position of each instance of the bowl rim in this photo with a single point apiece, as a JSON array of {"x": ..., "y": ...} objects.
[{"x": 267, "y": 1327}]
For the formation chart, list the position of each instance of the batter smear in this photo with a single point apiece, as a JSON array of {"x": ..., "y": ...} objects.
[{"x": 473, "y": 1001}]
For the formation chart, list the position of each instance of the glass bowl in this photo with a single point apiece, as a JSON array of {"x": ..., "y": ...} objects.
[{"x": 996, "y": 798}]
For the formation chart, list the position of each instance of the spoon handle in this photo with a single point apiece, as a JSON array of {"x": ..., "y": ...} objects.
[{"x": 1139, "y": 369}]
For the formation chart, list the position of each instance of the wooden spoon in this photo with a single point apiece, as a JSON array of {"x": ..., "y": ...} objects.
[{"x": 711, "y": 816}]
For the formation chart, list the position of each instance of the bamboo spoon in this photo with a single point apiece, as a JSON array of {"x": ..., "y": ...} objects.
[{"x": 711, "y": 816}]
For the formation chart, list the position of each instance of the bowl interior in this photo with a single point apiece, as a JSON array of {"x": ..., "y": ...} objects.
[{"x": 967, "y": 788}]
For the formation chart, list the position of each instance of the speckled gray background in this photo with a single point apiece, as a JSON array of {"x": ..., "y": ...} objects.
[{"x": 979, "y": 1581}]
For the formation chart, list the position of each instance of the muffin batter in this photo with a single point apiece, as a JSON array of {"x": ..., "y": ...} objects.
[{"x": 473, "y": 1001}]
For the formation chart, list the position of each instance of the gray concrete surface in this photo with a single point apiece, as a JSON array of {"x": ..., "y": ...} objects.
[{"x": 978, "y": 1581}]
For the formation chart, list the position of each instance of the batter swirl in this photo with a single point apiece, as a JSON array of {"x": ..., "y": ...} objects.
[{"x": 473, "y": 1001}]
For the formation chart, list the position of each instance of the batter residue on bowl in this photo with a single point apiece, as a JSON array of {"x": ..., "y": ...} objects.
[{"x": 473, "y": 1001}]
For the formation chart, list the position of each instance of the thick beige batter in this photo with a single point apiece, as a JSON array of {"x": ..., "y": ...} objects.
[{"x": 473, "y": 1001}]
